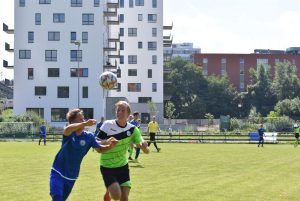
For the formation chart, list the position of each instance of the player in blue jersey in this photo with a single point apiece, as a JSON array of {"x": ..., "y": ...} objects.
[
  {"x": 42, "y": 133},
  {"x": 75, "y": 145},
  {"x": 261, "y": 135},
  {"x": 98, "y": 125},
  {"x": 137, "y": 124}
]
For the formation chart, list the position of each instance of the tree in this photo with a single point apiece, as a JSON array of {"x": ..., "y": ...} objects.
[
  {"x": 209, "y": 118},
  {"x": 152, "y": 108},
  {"x": 288, "y": 107},
  {"x": 169, "y": 111}
]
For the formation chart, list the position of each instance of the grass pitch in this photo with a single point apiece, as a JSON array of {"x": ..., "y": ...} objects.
[{"x": 179, "y": 172}]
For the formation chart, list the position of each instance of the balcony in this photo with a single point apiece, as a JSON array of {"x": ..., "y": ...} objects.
[
  {"x": 5, "y": 65},
  {"x": 108, "y": 49},
  {"x": 110, "y": 13},
  {"x": 7, "y": 47},
  {"x": 168, "y": 27},
  {"x": 111, "y": 40},
  {"x": 114, "y": 56},
  {"x": 113, "y": 4},
  {"x": 113, "y": 22},
  {"x": 110, "y": 66},
  {"x": 7, "y": 30}
]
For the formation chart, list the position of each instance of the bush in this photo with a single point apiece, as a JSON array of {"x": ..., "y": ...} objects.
[{"x": 280, "y": 124}]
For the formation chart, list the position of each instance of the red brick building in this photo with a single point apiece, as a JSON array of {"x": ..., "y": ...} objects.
[{"x": 236, "y": 66}]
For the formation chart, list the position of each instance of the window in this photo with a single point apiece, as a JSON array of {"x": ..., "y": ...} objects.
[
  {"x": 140, "y": 45},
  {"x": 144, "y": 99},
  {"x": 154, "y": 32},
  {"x": 82, "y": 72},
  {"x": 87, "y": 19},
  {"x": 40, "y": 91},
  {"x": 121, "y": 18},
  {"x": 134, "y": 87},
  {"x": 39, "y": 111},
  {"x": 24, "y": 54},
  {"x": 30, "y": 37},
  {"x": 58, "y": 17},
  {"x": 59, "y": 114},
  {"x": 96, "y": 3},
  {"x": 62, "y": 92},
  {"x": 154, "y": 87},
  {"x": 223, "y": 67},
  {"x": 132, "y": 59},
  {"x": 88, "y": 113},
  {"x": 121, "y": 59},
  {"x": 205, "y": 66},
  {"x": 130, "y": 3},
  {"x": 50, "y": 55},
  {"x": 121, "y": 3},
  {"x": 45, "y": 1},
  {"x": 85, "y": 37},
  {"x": 85, "y": 92},
  {"x": 118, "y": 72},
  {"x": 132, "y": 31},
  {"x": 154, "y": 59},
  {"x": 149, "y": 73},
  {"x": 152, "y": 45},
  {"x": 132, "y": 72},
  {"x": 22, "y": 3},
  {"x": 30, "y": 73},
  {"x": 53, "y": 72},
  {"x": 139, "y": 2},
  {"x": 242, "y": 66},
  {"x": 38, "y": 19},
  {"x": 242, "y": 84},
  {"x": 76, "y": 55},
  {"x": 140, "y": 17},
  {"x": 121, "y": 45},
  {"x": 121, "y": 31},
  {"x": 152, "y": 18},
  {"x": 76, "y": 3},
  {"x": 73, "y": 36},
  {"x": 154, "y": 3},
  {"x": 263, "y": 62},
  {"x": 119, "y": 87},
  {"x": 53, "y": 36}
]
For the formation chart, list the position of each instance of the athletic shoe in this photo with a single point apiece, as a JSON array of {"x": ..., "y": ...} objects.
[
  {"x": 106, "y": 196},
  {"x": 158, "y": 149},
  {"x": 130, "y": 158}
]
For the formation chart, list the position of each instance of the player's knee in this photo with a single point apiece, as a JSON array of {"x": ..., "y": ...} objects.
[{"x": 116, "y": 195}]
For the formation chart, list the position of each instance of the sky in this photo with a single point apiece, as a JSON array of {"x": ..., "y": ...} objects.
[{"x": 234, "y": 26}]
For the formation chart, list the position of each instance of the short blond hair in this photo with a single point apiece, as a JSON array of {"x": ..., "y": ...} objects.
[
  {"x": 72, "y": 114},
  {"x": 125, "y": 103}
]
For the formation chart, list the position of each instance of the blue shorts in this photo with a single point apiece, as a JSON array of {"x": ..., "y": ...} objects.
[{"x": 60, "y": 188}]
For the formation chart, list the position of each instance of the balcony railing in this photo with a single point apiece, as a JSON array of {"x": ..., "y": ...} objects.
[
  {"x": 168, "y": 27},
  {"x": 7, "y": 30},
  {"x": 113, "y": 4},
  {"x": 5, "y": 65},
  {"x": 7, "y": 48}
]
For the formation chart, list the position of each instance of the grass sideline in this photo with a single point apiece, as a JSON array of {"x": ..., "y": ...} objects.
[{"x": 179, "y": 172}]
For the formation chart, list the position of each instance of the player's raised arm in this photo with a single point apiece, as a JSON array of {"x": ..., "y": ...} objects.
[{"x": 78, "y": 126}]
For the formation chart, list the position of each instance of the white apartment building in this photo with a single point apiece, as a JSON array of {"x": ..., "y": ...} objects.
[
  {"x": 59, "y": 55},
  {"x": 141, "y": 56},
  {"x": 6, "y": 39},
  {"x": 183, "y": 50}
]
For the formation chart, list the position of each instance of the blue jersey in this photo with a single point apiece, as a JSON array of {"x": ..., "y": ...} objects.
[
  {"x": 134, "y": 122},
  {"x": 261, "y": 132},
  {"x": 74, "y": 148},
  {"x": 43, "y": 130}
]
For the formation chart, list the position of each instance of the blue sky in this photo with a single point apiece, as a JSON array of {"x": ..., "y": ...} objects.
[{"x": 234, "y": 26}]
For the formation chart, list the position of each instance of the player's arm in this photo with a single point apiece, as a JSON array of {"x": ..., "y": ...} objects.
[
  {"x": 106, "y": 145},
  {"x": 76, "y": 126}
]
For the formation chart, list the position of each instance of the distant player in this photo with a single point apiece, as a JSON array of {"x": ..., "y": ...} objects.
[
  {"x": 130, "y": 149},
  {"x": 261, "y": 135},
  {"x": 43, "y": 133},
  {"x": 98, "y": 125},
  {"x": 75, "y": 144},
  {"x": 153, "y": 128},
  {"x": 114, "y": 163},
  {"x": 136, "y": 122},
  {"x": 296, "y": 133}
]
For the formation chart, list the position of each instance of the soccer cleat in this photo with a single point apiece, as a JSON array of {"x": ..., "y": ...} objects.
[
  {"x": 106, "y": 196},
  {"x": 130, "y": 158},
  {"x": 158, "y": 149}
]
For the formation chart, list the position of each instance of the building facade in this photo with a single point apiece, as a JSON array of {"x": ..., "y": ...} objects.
[
  {"x": 59, "y": 55},
  {"x": 140, "y": 69},
  {"x": 237, "y": 66},
  {"x": 183, "y": 50}
]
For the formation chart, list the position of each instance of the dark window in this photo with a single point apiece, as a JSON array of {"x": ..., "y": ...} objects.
[
  {"x": 73, "y": 36},
  {"x": 154, "y": 32},
  {"x": 121, "y": 45},
  {"x": 154, "y": 59},
  {"x": 24, "y": 54},
  {"x": 144, "y": 99},
  {"x": 30, "y": 37},
  {"x": 53, "y": 72},
  {"x": 152, "y": 18},
  {"x": 53, "y": 36},
  {"x": 134, "y": 87},
  {"x": 145, "y": 118},
  {"x": 132, "y": 32},
  {"x": 130, "y": 3},
  {"x": 87, "y": 19},
  {"x": 22, "y": 3},
  {"x": 139, "y": 2},
  {"x": 140, "y": 45},
  {"x": 149, "y": 73},
  {"x": 38, "y": 19},
  {"x": 85, "y": 92},
  {"x": 76, "y": 3},
  {"x": 58, "y": 17},
  {"x": 152, "y": 45},
  {"x": 50, "y": 55},
  {"x": 88, "y": 113},
  {"x": 40, "y": 91},
  {"x": 154, "y": 3},
  {"x": 132, "y": 59},
  {"x": 59, "y": 114},
  {"x": 96, "y": 3},
  {"x": 132, "y": 72},
  {"x": 119, "y": 87},
  {"x": 85, "y": 37},
  {"x": 154, "y": 87},
  {"x": 45, "y": 1},
  {"x": 30, "y": 73},
  {"x": 121, "y": 18},
  {"x": 121, "y": 31},
  {"x": 140, "y": 17},
  {"x": 121, "y": 59},
  {"x": 121, "y": 3},
  {"x": 62, "y": 92},
  {"x": 82, "y": 72},
  {"x": 76, "y": 55}
]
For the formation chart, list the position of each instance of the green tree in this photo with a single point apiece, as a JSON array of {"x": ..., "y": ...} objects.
[
  {"x": 152, "y": 108},
  {"x": 210, "y": 119},
  {"x": 169, "y": 111},
  {"x": 288, "y": 107}
]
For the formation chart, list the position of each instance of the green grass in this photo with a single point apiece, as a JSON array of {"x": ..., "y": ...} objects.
[{"x": 179, "y": 172}]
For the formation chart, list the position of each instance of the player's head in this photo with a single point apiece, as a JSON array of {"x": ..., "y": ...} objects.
[
  {"x": 136, "y": 115},
  {"x": 75, "y": 116},
  {"x": 153, "y": 118},
  {"x": 102, "y": 119},
  {"x": 122, "y": 110}
]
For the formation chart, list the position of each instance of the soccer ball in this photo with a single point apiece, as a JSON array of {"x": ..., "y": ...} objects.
[{"x": 108, "y": 80}]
